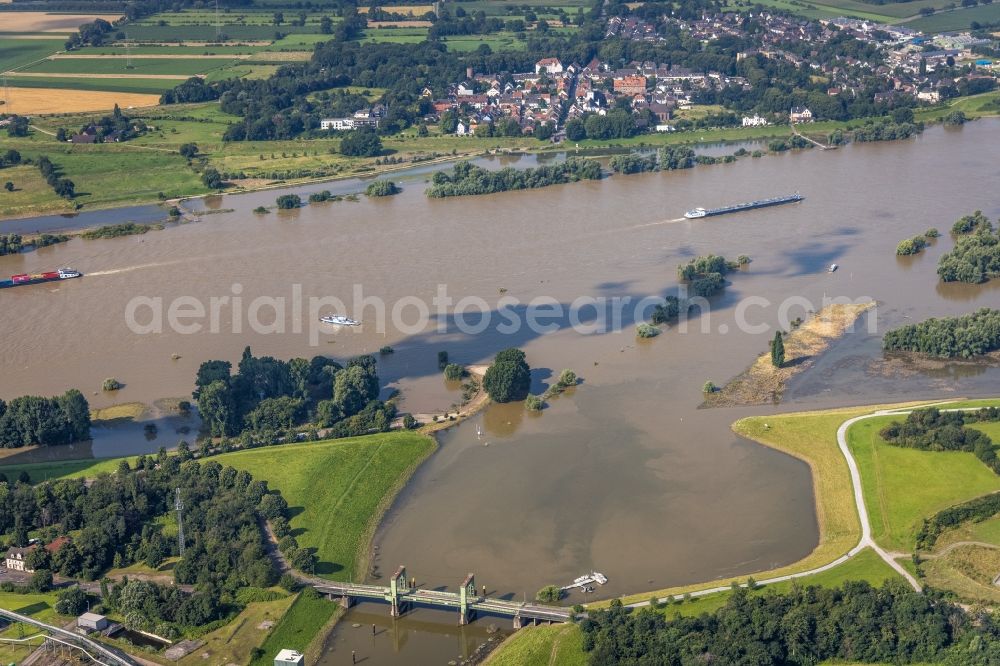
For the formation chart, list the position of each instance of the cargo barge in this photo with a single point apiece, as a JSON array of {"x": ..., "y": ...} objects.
[
  {"x": 36, "y": 278},
  {"x": 750, "y": 205}
]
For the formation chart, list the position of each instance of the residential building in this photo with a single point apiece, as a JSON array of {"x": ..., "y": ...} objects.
[
  {"x": 549, "y": 66},
  {"x": 16, "y": 558},
  {"x": 754, "y": 121},
  {"x": 800, "y": 114},
  {"x": 630, "y": 85}
]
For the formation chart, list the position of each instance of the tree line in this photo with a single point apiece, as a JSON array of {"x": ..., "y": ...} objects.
[
  {"x": 706, "y": 275},
  {"x": 934, "y": 430},
  {"x": 807, "y": 625},
  {"x": 949, "y": 337},
  {"x": 976, "y": 255},
  {"x": 466, "y": 178},
  {"x": 31, "y": 419}
]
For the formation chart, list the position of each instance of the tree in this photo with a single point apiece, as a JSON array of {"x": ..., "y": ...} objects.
[
  {"x": 454, "y": 371},
  {"x": 41, "y": 580},
  {"x": 188, "y": 150},
  {"x": 72, "y": 601},
  {"x": 326, "y": 26},
  {"x": 217, "y": 407},
  {"x": 777, "y": 350},
  {"x": 509, "y": 377},
  {"x": 362, "y": 142},
  {"x": 61, "y": 135},
  {"x": 9, "y": 186},
  {"x": 549, "y": 594},
  {"x": 212, "y": 179}
]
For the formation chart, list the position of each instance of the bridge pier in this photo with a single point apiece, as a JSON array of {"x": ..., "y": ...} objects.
[
  {"x": 397, "y": 586},
  {"x": 517, "y": 620},
  {"x": 345, "y": 602},
  {"x": 466, "y": 594}
]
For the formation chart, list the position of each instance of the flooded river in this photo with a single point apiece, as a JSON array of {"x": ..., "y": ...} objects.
[{"x": 625, "y": 475}]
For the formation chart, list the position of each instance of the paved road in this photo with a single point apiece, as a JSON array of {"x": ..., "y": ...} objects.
[{"x": 866, "y": 540}]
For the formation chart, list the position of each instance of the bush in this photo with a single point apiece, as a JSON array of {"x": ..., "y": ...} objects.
[
  {"x": 911, "y": 246},
  {"x": 111, "y": 384},
  {"x": 260, "y": 210},
  {"x": 386, "y": 350},
  {"x": 289, "y": 582},
  {"x": 454, "y": 371},
  {"x": 645, "y": 330},
  {"x": 533, "y": 403},
  {"x": 709, "y": 387},
  {"x": 409, "y": 422},
  {"x": 932, "y": 233},
  {"x": 381, "y": 188},
  {"x": 549, "y": 594},
  {"x": 289, "y": 201}
]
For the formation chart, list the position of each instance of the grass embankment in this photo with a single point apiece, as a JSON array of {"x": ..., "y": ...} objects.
[
  {"x": 551, "y": 645},
  {"x": 763, "y": 383},
  {"x": 42, "y": 607},
  {"x": 337, "y": 490},
  {"x": 903, "y": 486},
  {"x": 303, "y": 623}
]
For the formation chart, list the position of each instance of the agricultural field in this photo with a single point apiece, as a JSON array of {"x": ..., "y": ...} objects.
[
  {"x": 16, "y": 53},
  {"x": 957, "y": 19},
  {"x": 179, "y": 68},
  {"x": 19, "y": 22},
  {"x": 818, "y": 9}
]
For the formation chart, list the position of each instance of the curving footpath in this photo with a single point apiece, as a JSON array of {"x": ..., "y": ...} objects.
[{"x": 866, "y": 540}]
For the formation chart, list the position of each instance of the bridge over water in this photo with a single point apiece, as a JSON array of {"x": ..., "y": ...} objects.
[{"x": 403, "y": 593}]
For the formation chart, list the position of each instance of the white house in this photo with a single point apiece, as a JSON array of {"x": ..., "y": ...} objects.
[
  {"x": 800, "y": 114},
  {"x": 336, "y": 124},
  {"x": 754, "y": 121},
  {"x": 549, "y": 66},
  {"x": 929, "y": 96},
  {"x": 16, "y": 558}
]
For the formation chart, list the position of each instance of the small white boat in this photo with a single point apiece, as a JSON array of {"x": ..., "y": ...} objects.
[
  {"x": 599, "y": 577},
  {"x": 339, "y": 320},
  {"x": 69, "y": 273},
  {"x": 695, "y": 213},
  {"x": 833, "y": 268}
]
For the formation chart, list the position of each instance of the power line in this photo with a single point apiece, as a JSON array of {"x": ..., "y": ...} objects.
[{"x": 179, "y": 507}]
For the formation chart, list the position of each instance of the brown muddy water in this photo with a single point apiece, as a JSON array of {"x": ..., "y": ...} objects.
[{"x": 626, "y": 475}]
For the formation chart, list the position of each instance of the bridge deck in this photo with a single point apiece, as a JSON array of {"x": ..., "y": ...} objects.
[{"x": 450, "y": 600}]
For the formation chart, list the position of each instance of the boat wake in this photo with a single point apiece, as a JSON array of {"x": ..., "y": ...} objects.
[
  {"x": 658, "y": 223},
  {"x": 138, "y": 267}
]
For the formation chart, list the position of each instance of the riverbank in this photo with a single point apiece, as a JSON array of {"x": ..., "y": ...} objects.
[
  {"x": 104, "y": 173},
  {"x": 763, "y": 383}
]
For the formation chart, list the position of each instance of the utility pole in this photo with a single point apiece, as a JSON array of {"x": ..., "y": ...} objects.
[
  {"x": 179, "y": 507},
  {"x": 218, "y": 24},
  {"x": 128, "y": 53}
]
